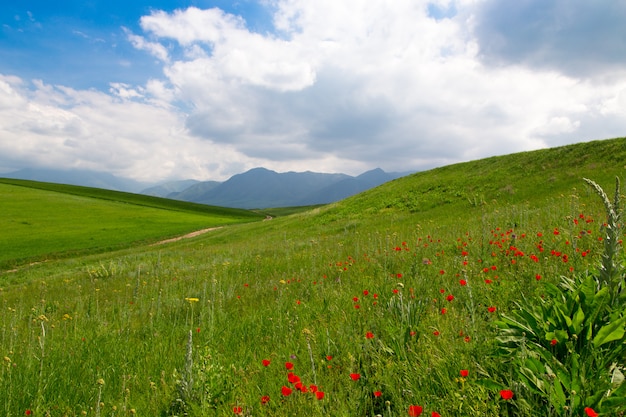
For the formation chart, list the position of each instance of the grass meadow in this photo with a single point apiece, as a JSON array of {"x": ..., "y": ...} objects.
[
  {"x": 42, "y": 220},
  {"x": 403, "y": 300}
]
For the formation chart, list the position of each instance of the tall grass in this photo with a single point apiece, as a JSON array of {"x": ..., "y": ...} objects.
[
  {"x": 110, "y": 336},
  {"x": 326, "y": 312}
]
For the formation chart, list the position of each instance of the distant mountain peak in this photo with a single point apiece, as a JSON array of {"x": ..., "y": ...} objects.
[{"x": 256, "y": 188}]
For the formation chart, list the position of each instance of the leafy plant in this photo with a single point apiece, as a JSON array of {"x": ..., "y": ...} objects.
[{"x": 568, "y": 348}]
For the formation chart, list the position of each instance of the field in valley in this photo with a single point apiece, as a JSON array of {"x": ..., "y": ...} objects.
[
  {"x": 42, "y": 221},
  {"x": 488, "y": 288}
]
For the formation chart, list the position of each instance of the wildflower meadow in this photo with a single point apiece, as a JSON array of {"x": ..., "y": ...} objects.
[{"x": 474, "y": 309}]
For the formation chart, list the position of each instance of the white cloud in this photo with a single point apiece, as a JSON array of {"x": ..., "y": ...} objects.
[
  {"x": 239, "y": 55},
  {"x": 93, "y": 130},
  {"x": 155, "y": 49},
  {"x": 577, "y": 37},
  {"x": 339, "y": 87},
  {"x": 363, "y": 81}
]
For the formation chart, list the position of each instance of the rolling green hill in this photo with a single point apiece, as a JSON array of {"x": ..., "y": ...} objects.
[
  {"x": 44, "y": 220},
  {"x": 536, "y": 177},
  {"x": 391, "y": 302}
]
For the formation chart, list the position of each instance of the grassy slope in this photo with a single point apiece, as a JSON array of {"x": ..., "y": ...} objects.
[
  {"x": 43, "y": 220},
  {"x": 535, "y": 177},
  {"x": 290, "y": 284}
]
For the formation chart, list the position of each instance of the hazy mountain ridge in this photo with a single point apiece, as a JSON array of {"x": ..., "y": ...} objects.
[
  {"x": 173, "y": 187},
  {"x": 189, "y": 193},
  {"x": 256, "y": 188},
  {"x": 263, "y": 188},
  {"x": 85, "y": 178}
]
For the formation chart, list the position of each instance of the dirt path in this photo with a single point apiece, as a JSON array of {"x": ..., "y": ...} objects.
[
  {"x": 162, "y": 242},
  {"x": 187, "y": 236}
]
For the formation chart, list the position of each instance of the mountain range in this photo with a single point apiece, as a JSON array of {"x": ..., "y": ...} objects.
[{"x": 256, "y": 188}]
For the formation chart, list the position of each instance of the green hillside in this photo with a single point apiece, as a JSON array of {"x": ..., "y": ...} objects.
[
  {"x": 44, "y": 220},
  {"x": 535, "y": 177},
  {"x": 487, "y": 288}
]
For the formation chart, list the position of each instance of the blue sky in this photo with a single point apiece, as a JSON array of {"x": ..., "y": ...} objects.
[
  {"x": 156, "y": 90},
  {"x": 83, "y": 43}
]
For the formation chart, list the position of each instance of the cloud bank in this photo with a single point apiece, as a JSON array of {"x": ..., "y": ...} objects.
[{"x": 335, "y": 87}]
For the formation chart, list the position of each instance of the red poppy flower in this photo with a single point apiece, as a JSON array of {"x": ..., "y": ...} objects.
[
  {"x": 463, "y": 282},
  {"x": 415, "y": 410},
  {"x": 506, "y": 394},
  {"x": 435, "y": 414},
  {"x": 313, "y": 388},
  {"x": 366, "y": 293},
  {"x": 369, "y": 335},
  {"x": 328, "y": 358},
  {"x": 554, "y": 342},
  {"x": 464, "y": 373},
  {"x": 237, "y": 410},
  {"x": 265, "y": 362},
  {"x": 436, "y": 333},
  {"x": 491, "y": 309},
  {"x": 355, "y": 377},
  {"x": 289, "y": 366},
  {"x": 28, "y": 412},
  {"x": 286, "y": 391},
  {"x": 265, "y": 399},
  {"x": 293, "y": 378},
  {"x": 590, "y": 412},
  {"x": 377, "y": 393},
  {"x": 444, "y": 311},
  {"x": 450, "y": 297},
  {"x": 319, "y": 395}
]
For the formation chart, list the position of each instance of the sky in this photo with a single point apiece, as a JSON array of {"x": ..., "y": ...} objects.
[{"x": 163, "y": 90}]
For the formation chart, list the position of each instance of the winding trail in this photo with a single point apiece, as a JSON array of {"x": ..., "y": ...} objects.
[
  {"x": 162, "y": 242},
  {"x": 187, "y": 236}
]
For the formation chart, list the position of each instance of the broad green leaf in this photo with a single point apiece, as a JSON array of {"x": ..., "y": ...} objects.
[
  {"x": 561, "y": 336},
  {"x": 588, "y": 290},
  {"x": 535, "y": 366},
  {"x": 610, "y": 332},
  {"x": 557, "y": 395},
  {"x": 601, "y": 299},
  {"x": 615, "y": 403},
  {"x": 577, "y": 321},
  {"x": 575, "y": 373},
  {"x": 518, "y": 324},
  {"x": 532, "y": 380},
  {"x": 565, "y": 379}
]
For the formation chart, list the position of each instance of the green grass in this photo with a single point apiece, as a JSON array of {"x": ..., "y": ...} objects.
[
  {"x": 43, "y": 220},
  {"x": 308, "y": 289}
]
